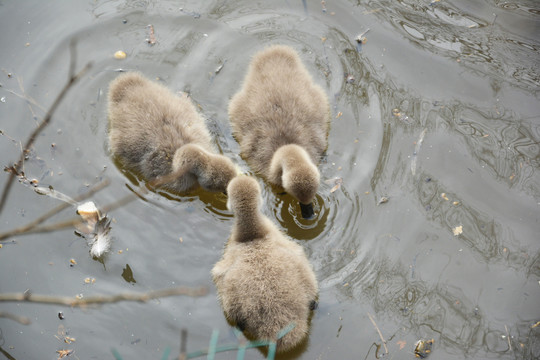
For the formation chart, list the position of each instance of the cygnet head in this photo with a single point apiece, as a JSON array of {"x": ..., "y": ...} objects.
[
  {"x": 244, "y": 195},
  {"x": 302, "y": 182},
  {"x": 213, "y": 171},
  {"x": 299, "y": 176}
]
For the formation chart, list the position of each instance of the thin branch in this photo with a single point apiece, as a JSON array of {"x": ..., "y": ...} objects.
[
  {"x": 21, "y": 86},
  {"x": 379, "y": 331},
  {"x": 508, "y": 337},
  {"x": 26, "y": 229},
  {"x": 28, "y": 99},
  {"x": 102, "y": 299},
  {"x": 6, "y": 354},
  {"x": 20, "y": 319},
  {"x": 46, "y": 120}
]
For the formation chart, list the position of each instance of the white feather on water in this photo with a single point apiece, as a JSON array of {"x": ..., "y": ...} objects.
[
  {"x": 101, "y": 241},
  {"x": 95, "y": 226}
]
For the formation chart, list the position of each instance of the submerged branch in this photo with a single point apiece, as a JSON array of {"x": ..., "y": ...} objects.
[
  {"x": 23, "y": 320},
  {"x": 102, "y": 299}
]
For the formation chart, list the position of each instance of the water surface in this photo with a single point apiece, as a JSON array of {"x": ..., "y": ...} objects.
[{"x": 438, "y": 111}]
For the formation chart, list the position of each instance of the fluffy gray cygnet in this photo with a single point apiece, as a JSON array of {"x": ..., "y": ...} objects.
[
  {"x": 280, "y": 118},
  {"x": 264, "y": 280},
  {"x": 158, "y": 134}
]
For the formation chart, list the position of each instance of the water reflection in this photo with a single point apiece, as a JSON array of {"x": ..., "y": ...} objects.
[
  {"x": 480, "y": 44},
  {"x": 127, "y": 275}
]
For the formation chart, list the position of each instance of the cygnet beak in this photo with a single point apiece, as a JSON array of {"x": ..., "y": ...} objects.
[{"x": 307, "y": 211}]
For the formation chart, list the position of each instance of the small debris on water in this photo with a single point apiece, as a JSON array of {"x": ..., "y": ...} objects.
[
  {"x": 422, "y": 348},
  {"x": 124, "y": 21},
  {"x": 151, "y": 39},
  {"x": 63, "y": 353},
  {"x": 89, "y": 280},
  {"x": 443, "y": 195},
  {"x": 383, "y": 200},
  {"x": 337, "y": 183},
  {"x": 61, "y": 315},
  {"x": 220, "y": 67},
  {"x": 120, "y": 55},
  {"x": 68, "y": 340},
  {"x": 361, "y": 38},
  {"x": 458, "y": 230},
  {"x": 72, "y": 262},
  {"x": 401, "y": 116},
  {"x": 350, "y": 79},
  {"x": 89, "y": 213}
]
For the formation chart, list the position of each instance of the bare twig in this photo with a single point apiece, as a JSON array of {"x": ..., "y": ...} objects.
[
  {"x": 379, "y": 331},
  {"x": 6, "y": 354},
  {"x": 73, "y": 78},
  {"x": 20, "y": 319},
  {"x": 508, "y": 337},
  {"x": 25, "y": 229},
  {"x": 102, "y": 299},
  {"x": 21, "y": 86},
  {"x": 27, "y": 98}
]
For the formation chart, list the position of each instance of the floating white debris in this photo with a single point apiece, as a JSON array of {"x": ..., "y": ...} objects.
[
  {"x": 417, "y": 150},
  {"x": 458, "y": 230},
  {"x": 89, "y": 212},
  {"x": 101, "y": 242}
]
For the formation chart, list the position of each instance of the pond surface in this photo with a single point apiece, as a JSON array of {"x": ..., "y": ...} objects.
[{"x": 438, "y": 111}]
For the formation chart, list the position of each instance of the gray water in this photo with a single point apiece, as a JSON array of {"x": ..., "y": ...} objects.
[{"x": 438, "y": 111}]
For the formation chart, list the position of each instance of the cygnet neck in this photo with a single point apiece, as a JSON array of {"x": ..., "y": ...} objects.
[
  {"x": 287, "y": 157},
  {"x": 249, "y": 224}
]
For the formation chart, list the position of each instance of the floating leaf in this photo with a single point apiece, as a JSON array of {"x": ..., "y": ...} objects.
[
  {"x": 337, "y": 182},
  {"x": 63, "y": 353}
]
